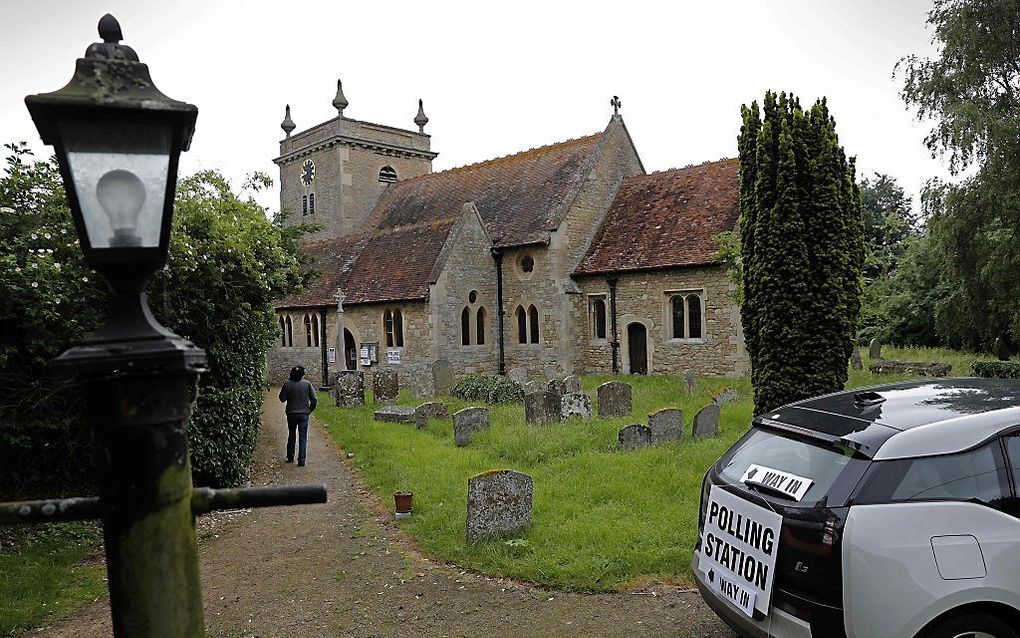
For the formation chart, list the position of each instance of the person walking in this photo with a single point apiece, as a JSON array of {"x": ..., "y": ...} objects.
[{"x": 299, "y": 395}]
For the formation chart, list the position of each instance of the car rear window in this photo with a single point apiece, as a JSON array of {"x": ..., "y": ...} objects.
[{"x": 834, "y": 470}]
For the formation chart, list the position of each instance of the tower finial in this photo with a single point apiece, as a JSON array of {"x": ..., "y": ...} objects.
[
  {"x": 420, "y": 119},
  {"x": 616, "y": 104},
  {"x": 340, "y": 102},
  {"x": 109, "y": 29},
  {"x": 288, "y": 124}
]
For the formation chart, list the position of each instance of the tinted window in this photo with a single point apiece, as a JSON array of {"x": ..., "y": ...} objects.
[
  {"x": 1013, "y": 448},
  {"x": 834, "y": 471},
  {"x": 976, "y": 476}
]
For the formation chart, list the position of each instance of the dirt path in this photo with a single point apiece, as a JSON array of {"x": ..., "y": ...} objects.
[{"x": 338, "y": 570}]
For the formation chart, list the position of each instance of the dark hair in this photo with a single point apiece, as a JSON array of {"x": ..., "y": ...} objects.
[{"x": 296, "y": 373}]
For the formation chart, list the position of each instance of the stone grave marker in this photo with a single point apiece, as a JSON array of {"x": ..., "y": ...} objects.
[
  {"x": 614, "y": 399},
  {"x": 430, "y": 410},
  {"x": 666, "y": 425},
  {"x": 498, "y": 504},
  {"x": 690, "y": 378},
  {"x": 395, "y": 414},
  {"x": 1001, "y": 349},
  {"x": 875, "y": 349},
  {"x": 349, "y": 388},
  {"x": 635, "y": 436},
  {"x": 519, "y": 375},
  {"x": 575, "y": 405},
  {"x": 556, "y": 386},
  {"x": 541, "y": 407},
  {"x": 855, "y": 359},
  {"x": 385, "y": 385},
  {"x": 725, "y": 395},
  {"x": 442, "y": 376},
  {"x": 468, "y": 421},
  {"x": 572, "y": 385},
  {"x": 419, "y": 380},
  {"x": 706, "y": 421},
  {"x": 534, "y": 386}
]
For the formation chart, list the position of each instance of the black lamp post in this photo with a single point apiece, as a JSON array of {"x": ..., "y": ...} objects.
[{"x": 117, "y": 139}]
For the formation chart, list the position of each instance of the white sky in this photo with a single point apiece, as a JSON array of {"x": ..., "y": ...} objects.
[{"x": 496, "y": 78}]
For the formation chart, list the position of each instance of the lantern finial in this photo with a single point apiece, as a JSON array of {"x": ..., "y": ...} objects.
[{"x": 109, "y": 30}]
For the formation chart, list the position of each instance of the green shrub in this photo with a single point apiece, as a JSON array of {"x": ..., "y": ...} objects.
[
  {"x": 489, "y": 388},
  {"x": 996, "y": 369}
]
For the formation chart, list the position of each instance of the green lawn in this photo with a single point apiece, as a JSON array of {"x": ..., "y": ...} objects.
[
  {"x": 603, "y": 519},
  {"x": 45, "y": 578}
]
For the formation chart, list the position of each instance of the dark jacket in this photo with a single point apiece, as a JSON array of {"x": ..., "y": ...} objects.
[{"x": 299, "y": 396}]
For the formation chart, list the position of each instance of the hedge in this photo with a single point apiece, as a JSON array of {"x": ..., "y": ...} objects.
[{"x": 996, "y": 369}]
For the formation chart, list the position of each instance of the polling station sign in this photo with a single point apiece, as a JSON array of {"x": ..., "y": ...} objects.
[
  {"x": 777, "y": 481},
  {"x": 739, "y": 542}
]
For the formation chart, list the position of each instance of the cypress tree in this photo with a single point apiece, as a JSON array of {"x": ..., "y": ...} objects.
[{"x": 801, "y": 250}]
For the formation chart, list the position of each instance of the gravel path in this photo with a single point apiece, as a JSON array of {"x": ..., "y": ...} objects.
[{"x": 339, "y": 569}]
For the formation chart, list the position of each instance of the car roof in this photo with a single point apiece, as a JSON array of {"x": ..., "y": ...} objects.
[{"x": 946, "y": 413}]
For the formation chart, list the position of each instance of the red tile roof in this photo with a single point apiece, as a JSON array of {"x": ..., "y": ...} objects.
[
  {"x": 666, "y": 220},
  {"x": 521, "y": 198}
]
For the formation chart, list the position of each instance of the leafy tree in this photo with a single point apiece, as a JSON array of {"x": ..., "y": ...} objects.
[
  {"x": 888, "y": 221},
  {"x": 971, "y": 91},
  {"x": 801, "y": 250}
]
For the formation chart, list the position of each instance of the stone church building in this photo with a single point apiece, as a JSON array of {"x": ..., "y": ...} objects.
[{"x": 567, "y": 258}]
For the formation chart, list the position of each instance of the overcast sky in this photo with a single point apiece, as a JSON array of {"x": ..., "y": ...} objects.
[{"x": 496, "y": 78}]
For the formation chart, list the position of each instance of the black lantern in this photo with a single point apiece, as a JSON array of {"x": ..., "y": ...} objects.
[{"x": 117, "y": 139}]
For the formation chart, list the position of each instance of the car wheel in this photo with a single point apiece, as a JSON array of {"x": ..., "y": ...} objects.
[{"x": 973, "y": 626}]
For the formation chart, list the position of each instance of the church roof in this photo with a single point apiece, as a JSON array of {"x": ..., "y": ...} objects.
[
  {"x": 521, "y": 198},
  {"x": 666, "y": 220}
]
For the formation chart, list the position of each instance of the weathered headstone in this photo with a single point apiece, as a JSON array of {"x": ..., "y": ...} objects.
[
  {"x": 706, "y": 421},
  {"x": 614, "y": 399},
  {"x": 541, "y": 407},
  {"x": 468, "y": 421},
  {"x": 430, "y": 410},
  {"x": 875, "y": 349},
  {"x": 498, "y": 504},
  {"x": 855, "y": 359},
  {"x": 572, "y": 385},
  {"x": 725, "y": 395},
  {"x": 419, "y": 380},
  {"x": 635, "y": 436},
  {"x": 919, "y": 368},
  {"x": 395, "y": 414},
  {"x": 349, "y": 388},
  {"x": 556, "y": 386},
  {"x": 690, "y": 378},
  {"x": 534, "y": 386},
  {"x": 666, "y": 425},
  {"x": 575, "y": 405},
  {"x": 520, "y": 375},
  {"x": 1001, "y": 349},
  {"x": 442, "y": 376},
  {"x": 385, "y": 385}
]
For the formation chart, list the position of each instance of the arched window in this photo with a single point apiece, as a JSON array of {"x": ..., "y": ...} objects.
[
  {"x": 290, "y": 332},
  {"x": 393, "y": 323},
  {"x": 465, "y": 327},
  {"x": 304, "y": 204},
  {"x": 677, "y": 302},
  {"x": 387, "y": 175},
  {"x": 693, "y": 317},
  {"x": 533, "y": 321},
  {"x": 598, "y": 311},
  {"x": 315, "y": 330},
  {"x": 522, "y": 325},
  {"x": 388, "y": 326},
  {"x": 308, "y": 331},
  {"x": 480, "y": 326},
  {"x": 283, "y": 333},
  {"x": 311, "y": 203},
  {"x": 686, "y": 311}
]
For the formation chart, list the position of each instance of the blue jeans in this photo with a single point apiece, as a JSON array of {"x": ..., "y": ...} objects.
[{"x": 297, "y": 423}]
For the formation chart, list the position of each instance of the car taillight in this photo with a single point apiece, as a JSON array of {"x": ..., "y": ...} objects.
[
  {"x": 829, "y": 533},
  {"x": 706, "y": 485}
]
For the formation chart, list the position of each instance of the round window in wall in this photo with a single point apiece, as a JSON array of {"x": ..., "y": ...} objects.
[
  {"x": 472, "y": 296},
  {"x": 527, "y": 263}
]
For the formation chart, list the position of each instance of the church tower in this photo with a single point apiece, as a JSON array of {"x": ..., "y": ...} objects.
[{"x": 333, "y": 174}]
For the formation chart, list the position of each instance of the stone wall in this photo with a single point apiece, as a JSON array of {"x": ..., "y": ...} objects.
[{"x": 645, "y": 298}]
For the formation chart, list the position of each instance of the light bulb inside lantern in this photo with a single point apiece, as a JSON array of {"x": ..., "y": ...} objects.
[{"x": 122, "y": 194}]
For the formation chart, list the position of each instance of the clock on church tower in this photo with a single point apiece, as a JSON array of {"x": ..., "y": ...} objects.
[{"x": 307, "y": 172}]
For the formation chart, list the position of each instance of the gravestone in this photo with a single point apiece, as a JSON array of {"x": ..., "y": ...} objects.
[
  {"x": 572, "y": 385},
  {"x": 498, "y": 504},
  {"x": 468, "y": 421},
  {"x": 349, "y": 388},
  {"x": 519, "y": 375},
  {"x": 395, "y": 414},
  {"x": 420, "y": 381},
  {"x": 919, "y": 368},
  {"x": 430, "y": 410},
  {"x": 706, "y": 421},
  {"x": 855, "y": 359},
  {"x": 575, "y": 405},
  {"x": 534, "y": 386},
  {"x": 690, "y": 378},
  {"x": 541, "y": 407},
  {"x": 614, "y": 399},
  {"x": 556, "y": 386},
  {"x": 385, "y": 386},
  {"x": 634, "y": 436},
  {"x": 724, "y": 395},
  {"x": 1001, "y": 349},
  {"x": 442, "y": 376},
  {"x": 875, "y": 349},
  {"x": 666, "y": 425}
]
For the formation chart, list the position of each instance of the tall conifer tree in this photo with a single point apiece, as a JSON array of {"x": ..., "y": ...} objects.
[{"x": 802, "y": 250}]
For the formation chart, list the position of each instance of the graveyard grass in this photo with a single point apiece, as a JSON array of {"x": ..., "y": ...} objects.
[{"x": 603, "y": 519}]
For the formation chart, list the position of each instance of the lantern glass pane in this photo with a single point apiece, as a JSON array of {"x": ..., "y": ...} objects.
[{"x": 120, "y": 173}]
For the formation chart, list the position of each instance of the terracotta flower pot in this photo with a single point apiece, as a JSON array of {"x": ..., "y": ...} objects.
[{"x": 403, "y": 503}]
